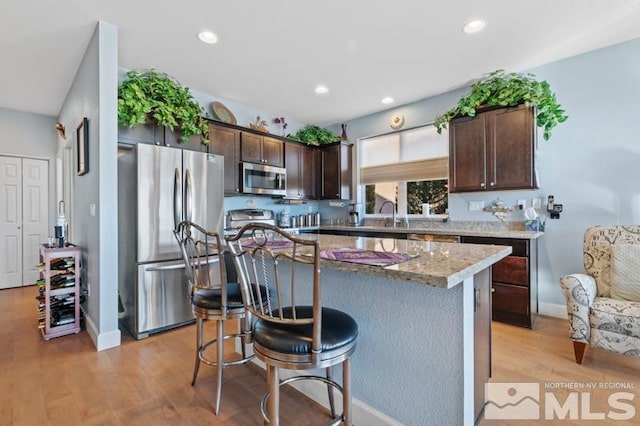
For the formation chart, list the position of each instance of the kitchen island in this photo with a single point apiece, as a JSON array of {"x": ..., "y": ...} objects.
[{"x": 417, "y": 361}]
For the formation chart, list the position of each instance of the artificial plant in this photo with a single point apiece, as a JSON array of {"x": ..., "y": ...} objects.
[
  {"x": 314, "y": 134},
  {"x": 150, "y": 94},
  {"x": 509, "y": 89}
]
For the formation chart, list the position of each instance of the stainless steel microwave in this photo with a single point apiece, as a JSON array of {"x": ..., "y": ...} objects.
[{"x": 261, "y": 179}]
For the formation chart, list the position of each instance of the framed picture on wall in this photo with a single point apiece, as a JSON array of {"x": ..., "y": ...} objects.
[{"x": 82, "y": 146}]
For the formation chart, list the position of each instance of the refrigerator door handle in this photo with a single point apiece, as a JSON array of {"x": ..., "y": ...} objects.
[
  {"x": 177, "y": 199},
  {"x": 188, "y": 196}
]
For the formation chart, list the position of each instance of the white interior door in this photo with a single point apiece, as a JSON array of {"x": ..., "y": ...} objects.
[
  {"x": 35, "y": 215},
  {"x": 10, "y": 222},
  {"x": 24, "y": 223}
]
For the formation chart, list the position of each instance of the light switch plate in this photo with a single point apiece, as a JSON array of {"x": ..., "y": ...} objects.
[
  {"x": 536, "y": 203},
  {"x": 476, "y": 205},
  {"x": 522, "y": 204}
]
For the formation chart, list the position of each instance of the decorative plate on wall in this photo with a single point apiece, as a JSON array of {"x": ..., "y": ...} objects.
[
  {"x": 397, "y": 121},
  {"x": 222, "y": 113}
]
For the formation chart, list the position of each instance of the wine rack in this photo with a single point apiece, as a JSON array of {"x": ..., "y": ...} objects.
[{"x": 59, "y": 291}]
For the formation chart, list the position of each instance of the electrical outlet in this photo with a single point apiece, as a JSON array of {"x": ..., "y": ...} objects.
[
  {"x": 522, "y": 204},
  {"x": 476, "y": 205},
  {"x": 536, "y": 203}
]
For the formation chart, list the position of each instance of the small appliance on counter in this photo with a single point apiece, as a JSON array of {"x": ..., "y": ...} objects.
[
  {"x": 354, "y": 216},
  {"x": 239, "y": 218}
]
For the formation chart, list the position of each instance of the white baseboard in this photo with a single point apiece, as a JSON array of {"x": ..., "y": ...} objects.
[
  {"x": 553, "y": 310},
  {"x": 102, "y": 341}
]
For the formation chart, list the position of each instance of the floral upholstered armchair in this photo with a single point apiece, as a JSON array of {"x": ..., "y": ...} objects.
[{"x": 604, "y": 304}]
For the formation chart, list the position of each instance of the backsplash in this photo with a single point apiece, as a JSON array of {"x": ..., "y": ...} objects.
[{"x": 437, "y": 223}]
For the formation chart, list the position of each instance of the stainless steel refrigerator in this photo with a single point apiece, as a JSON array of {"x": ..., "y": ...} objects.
[{"x": 158, "y": 187}]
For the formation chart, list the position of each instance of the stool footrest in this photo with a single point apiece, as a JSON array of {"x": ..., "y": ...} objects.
[
  {"x": 263, "y": 405},
  {"x": 226, "y": 363}
]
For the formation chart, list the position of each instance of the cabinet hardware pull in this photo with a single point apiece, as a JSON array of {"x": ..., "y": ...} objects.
[
  {"x": 476, "y": 295},
  {"x": 491, "y": 183},
  {"x": 482, "y": 185}
]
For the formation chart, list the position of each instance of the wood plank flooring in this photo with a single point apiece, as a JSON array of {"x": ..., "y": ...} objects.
[{"x": 66, "y": 382}]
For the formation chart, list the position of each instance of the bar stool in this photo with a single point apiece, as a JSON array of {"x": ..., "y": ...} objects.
[
  {"x": 212, "y": 297},
  {"x": 289, "y": 332}
]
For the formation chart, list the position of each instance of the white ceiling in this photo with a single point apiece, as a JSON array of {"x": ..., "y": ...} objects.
[{"x": 272, "y": 54}]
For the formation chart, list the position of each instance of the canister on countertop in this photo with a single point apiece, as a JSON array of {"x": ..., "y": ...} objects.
[
  {"x": 284, "y": 219},
  {"x": 294, "y": 221}
]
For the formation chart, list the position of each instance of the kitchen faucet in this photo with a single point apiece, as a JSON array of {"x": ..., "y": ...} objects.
[{"x": 393, "y": 213}]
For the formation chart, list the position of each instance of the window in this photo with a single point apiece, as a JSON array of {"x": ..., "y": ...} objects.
[{"x": 408, "y": 168}]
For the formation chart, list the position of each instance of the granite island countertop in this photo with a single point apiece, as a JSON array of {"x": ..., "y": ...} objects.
[
  {"x": 493, "y": 233},
  {"x": 443, "y": 265}
]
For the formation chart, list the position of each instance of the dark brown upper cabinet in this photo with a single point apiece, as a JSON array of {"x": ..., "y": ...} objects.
[
  {"x": 301, "y": 163},
  {"x": 493, "y": 150},
  {"x": 262, "y": 149},
  {"x": 225, "y": 141},
  {"x": 335, "y": 168},
  {"x": 151, "y": 133}
]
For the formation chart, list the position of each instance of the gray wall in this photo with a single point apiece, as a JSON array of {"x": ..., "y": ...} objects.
[
  {"x": 93, "y": 95},
  {"x": 26, "y": 134},
  {"x": 590, "y": 164}
]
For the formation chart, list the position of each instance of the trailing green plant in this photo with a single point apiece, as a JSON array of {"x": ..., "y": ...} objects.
[
  {"x": 509, "y": 89},
  {"x": 311, "y": 133},
  {"x": 149, "y": 94}
]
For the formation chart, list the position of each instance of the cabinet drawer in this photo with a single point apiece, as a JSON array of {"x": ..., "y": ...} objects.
[
  {"x": 512, "y": 270},
  {"x": 518, "y": 247},
  {"x": 510, "y": 299}
]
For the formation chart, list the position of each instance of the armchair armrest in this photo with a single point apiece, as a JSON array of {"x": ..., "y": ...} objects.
[{"x": 580, "y": 291}]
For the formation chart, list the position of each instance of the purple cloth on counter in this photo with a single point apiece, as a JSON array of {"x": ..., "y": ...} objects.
[
  {"x": 271, "y": 244},
  {"x": 366, "y": 257}
]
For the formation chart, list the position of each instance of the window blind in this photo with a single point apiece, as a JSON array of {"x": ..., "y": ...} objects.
[{"x": 427, "y": 169}]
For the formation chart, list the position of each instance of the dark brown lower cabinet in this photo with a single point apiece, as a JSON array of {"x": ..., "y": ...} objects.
[
  {"x": 481, "y": 338},
  {"x": 514, "y": 281}
]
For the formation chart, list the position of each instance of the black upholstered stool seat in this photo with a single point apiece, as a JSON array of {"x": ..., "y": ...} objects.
[
  {"x": 338, "y": 329},
  {"x": 209, "y": 298}
]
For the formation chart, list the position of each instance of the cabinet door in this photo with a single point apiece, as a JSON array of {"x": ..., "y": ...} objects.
[
  {"x": 481, "y": 337},
  {"x": 309, "y": 172},
  {"x": 511, "y": 304},
  {"x": 293, "y": 155},
  {"x": 273, "y": 152},
  {"x": 172, "y": 138},
  {"x": 511, "y": 144},
  {"x": 226, "y": 142},
  {"x": 467, "y": 150},
  {"x": 330, "y": 165},
  {"x": 251, "y": 146}
]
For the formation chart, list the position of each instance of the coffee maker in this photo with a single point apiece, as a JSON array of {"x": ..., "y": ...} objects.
[{"x": 354, "y": 215}]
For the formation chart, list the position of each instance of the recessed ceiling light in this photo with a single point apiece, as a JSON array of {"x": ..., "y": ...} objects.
[
  {"x": 322, "y": 90},
  {"x": 387, "y": 100},
  {"x": 474, "y": 26},
  {"x": 207, "y": 37}
]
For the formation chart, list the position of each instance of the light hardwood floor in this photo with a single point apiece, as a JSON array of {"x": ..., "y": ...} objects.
[{"x": 66, "y": 382}]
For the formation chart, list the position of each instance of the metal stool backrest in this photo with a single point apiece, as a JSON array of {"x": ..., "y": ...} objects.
[
  {"x": 257, "y": 250},
  {"x": 201, "y": 249}
]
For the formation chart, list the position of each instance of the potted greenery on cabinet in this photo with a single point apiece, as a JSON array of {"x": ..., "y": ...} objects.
[
  {"x": 502, "y": 89},
  {"x": 149, "y": 96},
  {"x": 314, "y": 135}
]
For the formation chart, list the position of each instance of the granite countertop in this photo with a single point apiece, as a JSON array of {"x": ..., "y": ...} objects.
[
  {"x": 443, "y": 265},
  {"x": 495, "y": 233}
]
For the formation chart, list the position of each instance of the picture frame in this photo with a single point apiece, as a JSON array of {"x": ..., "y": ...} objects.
[{"x": 82, "y": 146}]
